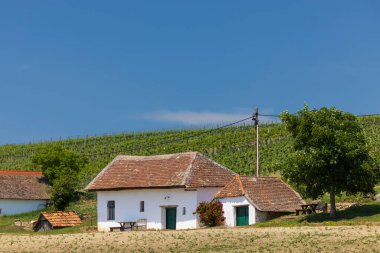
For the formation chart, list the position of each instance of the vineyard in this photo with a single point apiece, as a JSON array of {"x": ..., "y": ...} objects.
[{"x": 231, "y": 146}]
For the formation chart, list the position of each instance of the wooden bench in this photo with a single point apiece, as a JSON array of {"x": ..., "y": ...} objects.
[
  {"x": 307, "y": 209},
  {"x": 141, "y": 224},
  {"x": 312, "y": 208},
  {"x": 117, "y": 228},
  {"x": 124, "y": 225}
]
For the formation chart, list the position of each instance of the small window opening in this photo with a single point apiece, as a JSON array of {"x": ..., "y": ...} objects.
[
  {"x": 184, "y": 210},
  {"x": 142, "y": 207},
  {"x": 111, "y": 210}
]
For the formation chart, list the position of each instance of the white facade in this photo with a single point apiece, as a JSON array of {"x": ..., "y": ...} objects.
[
  {"x": 127, "y": 206},
  {"x": 15, "y": 206},
  {"x": 229, "y": 208}
]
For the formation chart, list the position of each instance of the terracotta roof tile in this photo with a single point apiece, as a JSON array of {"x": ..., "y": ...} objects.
[
  {"x": 20, "y": 172},
  {"x": 234, "y": 188},
  {"x": 266, "y": 193},
  {"x": 189, "y": 169},
  {"x": 23, "y": 185},
  {"x": 61, "y": 219}
]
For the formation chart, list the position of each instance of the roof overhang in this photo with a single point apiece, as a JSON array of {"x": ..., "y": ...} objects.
[
  {"x": 137, "y": 188},
  {"x": 23, "y": 199}
]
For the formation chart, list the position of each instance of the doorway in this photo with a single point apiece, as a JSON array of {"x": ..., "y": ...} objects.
[
  {"x": 242, "y": 216},
  {"x": 171, "y": 217}
]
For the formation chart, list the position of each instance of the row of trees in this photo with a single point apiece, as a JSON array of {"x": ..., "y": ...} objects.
[{"x": 329, "y": 155}]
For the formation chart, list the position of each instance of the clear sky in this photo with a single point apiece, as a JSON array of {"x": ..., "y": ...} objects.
[{"x": 72, "y": 68}]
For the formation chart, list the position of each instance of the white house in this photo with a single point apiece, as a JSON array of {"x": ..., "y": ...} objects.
[
  {"x": 22, "y": 191},
  {"x": 247, "y": 200},
  {"x": 164, "y": 189}
]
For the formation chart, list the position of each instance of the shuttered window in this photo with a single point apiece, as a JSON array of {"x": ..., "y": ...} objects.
[{"x": 111, "y": 210}]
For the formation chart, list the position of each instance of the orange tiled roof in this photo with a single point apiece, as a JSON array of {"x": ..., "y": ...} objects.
[
  {"x": 266, "y": 193},
  {"x": 61, "y": 219},
  {"x": 234, "y": 188},
  {"x": 20, "y": 172},
  {"x": 23, "y": 185},
  {"x": 190, "y": 170}
]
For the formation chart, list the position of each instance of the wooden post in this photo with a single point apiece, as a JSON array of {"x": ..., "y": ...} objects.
[{"x": 255, "y": 118}]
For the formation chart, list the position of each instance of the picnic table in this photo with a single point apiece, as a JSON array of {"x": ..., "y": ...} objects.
[
  {"x": 125, "y": 225},
  {"x": 307, "y": 209}
]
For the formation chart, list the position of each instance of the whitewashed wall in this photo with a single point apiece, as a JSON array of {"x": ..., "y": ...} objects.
[
  {"x": 229, "y": 208},
  {"x": 206, "y": 194},
  {"x": 127, "y": 207},
  {"x": 15, "y": 206}
]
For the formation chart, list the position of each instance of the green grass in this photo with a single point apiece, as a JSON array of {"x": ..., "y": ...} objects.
[
  {"x": 81, "y": 207},
  {"x": 362, "y": 214}
]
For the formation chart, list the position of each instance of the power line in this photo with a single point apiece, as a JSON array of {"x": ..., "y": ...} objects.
[
  {"x": 199, "y": 134},
  {"x": 147, "y": 147}
]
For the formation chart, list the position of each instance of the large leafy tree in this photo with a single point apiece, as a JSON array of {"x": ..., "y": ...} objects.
[
  {"x": 61, "y": 168},
  {"x": 330, "y": 154}
]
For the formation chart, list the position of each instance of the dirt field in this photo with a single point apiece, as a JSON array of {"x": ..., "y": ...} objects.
[{"x": 297, "y": 239}]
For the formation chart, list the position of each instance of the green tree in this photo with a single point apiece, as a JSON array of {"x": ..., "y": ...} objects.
[
  {"x": 330, "y": 154},
  {"x": 61, "y": 168}
]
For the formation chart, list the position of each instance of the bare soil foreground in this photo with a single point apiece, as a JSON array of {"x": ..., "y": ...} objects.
[{"x": 281, "y": 239}]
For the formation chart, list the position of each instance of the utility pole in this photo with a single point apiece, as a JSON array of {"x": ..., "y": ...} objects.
[{"x": 255, "y": 118}]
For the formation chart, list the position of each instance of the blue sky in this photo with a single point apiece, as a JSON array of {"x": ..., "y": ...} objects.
[{"x": 74, "y": 68}]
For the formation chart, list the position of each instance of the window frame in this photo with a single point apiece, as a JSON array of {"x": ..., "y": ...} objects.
[
  {"x": 111, "y": 204},
  {"x": 142, "y": 206}
]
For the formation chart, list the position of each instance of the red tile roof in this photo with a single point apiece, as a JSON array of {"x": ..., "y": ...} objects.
[
  {"x": 266, "y": 193},
  {"x": 190, "y": 170},
  {"x": 29, "y": 185},
  {"x": 234, "y": 188},
  {"x": 20, "y": 172},
  {"x": 60, "y": 219}
]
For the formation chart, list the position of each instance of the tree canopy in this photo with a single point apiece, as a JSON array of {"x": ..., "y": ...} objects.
[
  {"x": 61, "y": 168},
  {"x": 330, "y": 154}
]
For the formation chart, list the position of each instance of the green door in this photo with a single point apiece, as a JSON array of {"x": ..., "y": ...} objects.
[
  {"x": 171, "y": 217},
  {"x": 242, "y": 217}
]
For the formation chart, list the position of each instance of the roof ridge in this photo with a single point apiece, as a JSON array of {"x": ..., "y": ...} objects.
[
  {"x": 189, "y": 169},
  {"x": 263, "y": 177},
  {"x": 156, "y": 156},
  {"x": 240, "y": 184},
  {"x": 66, "y": 211},
  {"x": 102, "y": 171}
]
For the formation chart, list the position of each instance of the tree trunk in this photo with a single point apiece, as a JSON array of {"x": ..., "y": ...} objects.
[{"x": 332, "y": 202}]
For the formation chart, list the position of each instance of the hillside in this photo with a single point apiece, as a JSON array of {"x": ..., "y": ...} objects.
[{"x": 232, "y": 146}]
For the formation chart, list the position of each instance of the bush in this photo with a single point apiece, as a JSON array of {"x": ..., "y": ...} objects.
[{"x": 211, "y": 213}]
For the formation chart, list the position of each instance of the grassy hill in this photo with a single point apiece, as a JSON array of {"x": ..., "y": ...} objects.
[{"x": 232, "y": 146}]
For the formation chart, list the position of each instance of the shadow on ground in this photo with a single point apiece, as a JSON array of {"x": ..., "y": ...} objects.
[{"x": 367, "y": 212}]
